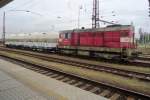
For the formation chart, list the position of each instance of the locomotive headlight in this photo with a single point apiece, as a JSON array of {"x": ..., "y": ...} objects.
[{"x": 60, "y": 40}]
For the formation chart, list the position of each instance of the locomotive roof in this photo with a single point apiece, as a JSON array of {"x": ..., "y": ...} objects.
[{"x": 108, "y": 28}]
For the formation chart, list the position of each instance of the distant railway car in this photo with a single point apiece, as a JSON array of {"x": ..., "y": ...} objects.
[
  {"x": 34, "y": 41},
  {"x": 110, "y": 42}
]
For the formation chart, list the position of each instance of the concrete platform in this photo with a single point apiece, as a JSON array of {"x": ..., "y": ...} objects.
[
  {"x": 18, "y": 83},
  {"x": 11, "y": 89}
]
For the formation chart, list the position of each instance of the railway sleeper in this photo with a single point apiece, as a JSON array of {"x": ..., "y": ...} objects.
[
  {"x": 105, "y": 93},
  {"x": 115, "y": 96},
  {"x": 74, "y": 82},
  {"x": 130, "y": 98},
  {"x": 54, "y": 75},
  {"x": 94, "y": 89},
  {"x": 60, "y": 77},
  {"x": 70, "y": 82},
  {"x": 66, "y": 80},
  {"x": 50, "y": 73},
  {"x": 84, "y": 87},
  {"x": 78, "y": 84}
]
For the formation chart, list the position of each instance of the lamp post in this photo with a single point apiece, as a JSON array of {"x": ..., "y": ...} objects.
[
  {"x": 4, "y": 21},
  {"x": 3, "y": 36},
  {"x": 79, "y": 12},
  {"x": 149, "y": 7}
]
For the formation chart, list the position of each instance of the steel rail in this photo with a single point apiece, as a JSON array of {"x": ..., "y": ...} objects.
[{"x": 144, "y": 58}]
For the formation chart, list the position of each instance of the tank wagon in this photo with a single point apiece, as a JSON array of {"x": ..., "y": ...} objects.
[
  {"x": 34, "y": 41},
  {"x": 116, "y": 41}
]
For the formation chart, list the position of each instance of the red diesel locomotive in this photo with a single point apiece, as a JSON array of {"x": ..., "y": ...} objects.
[{"x": 116, "y": 41}]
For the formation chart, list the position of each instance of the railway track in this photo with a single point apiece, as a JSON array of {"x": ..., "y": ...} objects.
[
  {"x": 142, "y": 60},
  {"x": 131, "y": 62},
  {"x": 108, "y": 69},
  {"x": 135, "y": 95},
  {"x": 98, "y": 88},
  {"x": 146, "y": 58}
]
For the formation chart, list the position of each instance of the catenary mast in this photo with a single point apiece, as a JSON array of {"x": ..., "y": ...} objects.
[{"x": 95, "y": 16}]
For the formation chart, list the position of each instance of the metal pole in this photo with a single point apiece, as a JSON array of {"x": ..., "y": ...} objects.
[
  {"x": 95, "y": 16},
  {"x": 149, "y": 9},
  {"x": 4, "y": 30},
  {"x": 79, "y": 18},
  {"x": 4, "y": 23}
]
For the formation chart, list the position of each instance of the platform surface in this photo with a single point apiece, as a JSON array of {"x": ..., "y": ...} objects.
[
  {"x": 11, "y": 89},
  {"x": 18, "y": 83}
]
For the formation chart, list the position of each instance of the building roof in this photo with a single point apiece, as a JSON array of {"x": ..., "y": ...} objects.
[{"x": 4, "y": 2}]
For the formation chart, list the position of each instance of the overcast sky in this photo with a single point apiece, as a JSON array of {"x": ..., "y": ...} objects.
[{"x": 56, "y": 15}]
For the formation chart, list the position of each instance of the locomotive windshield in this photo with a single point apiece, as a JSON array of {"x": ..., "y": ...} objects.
[
  {"x": 67, "y": 35},
  {"x": 124, "y": 34}
]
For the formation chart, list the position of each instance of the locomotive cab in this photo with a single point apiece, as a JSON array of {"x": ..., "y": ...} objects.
[{"x": 65, "y": 39}]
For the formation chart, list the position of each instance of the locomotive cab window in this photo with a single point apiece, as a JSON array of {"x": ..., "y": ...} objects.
[
  {"x": 67, "y": 35},
  {"x": 124, "y": 34},
  {"x": 62, "y": 35}
]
